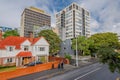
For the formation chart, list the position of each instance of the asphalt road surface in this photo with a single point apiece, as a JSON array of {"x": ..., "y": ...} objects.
[{"x": 92, "y": 72}]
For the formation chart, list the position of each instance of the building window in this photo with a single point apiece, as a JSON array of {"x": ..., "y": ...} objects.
[
  {"x": 42, "y": 48},
  {"x": 70, "y": 7},
  {"x": 9, "y": 60},
  {"x": 10, "y": 48},
  {"x": 73, "y": 5},
  {"x": 67, "y": 9},
  {"x": 76, "y": 7},
  {"x": 87, "y": 13},
  {"x": 26, "y": 48}
]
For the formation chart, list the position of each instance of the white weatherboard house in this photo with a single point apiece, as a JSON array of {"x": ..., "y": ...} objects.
[{"x": 20, "y": 50}]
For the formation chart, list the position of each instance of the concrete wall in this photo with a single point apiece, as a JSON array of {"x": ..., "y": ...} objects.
[{"x": 66, "y": 47}]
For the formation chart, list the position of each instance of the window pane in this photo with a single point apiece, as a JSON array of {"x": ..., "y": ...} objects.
[
  {"x": 42, "y": 48},
  {"x": 9, "y": 60},
  {"x": 10, "y": 48},
  {"x": 26, "y": 48}
]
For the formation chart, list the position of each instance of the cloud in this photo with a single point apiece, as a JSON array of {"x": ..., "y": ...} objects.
[
  {"x": 110, "y": 16},
  {"x": 10, "y": 11},
  {"x": 94, "y": 26},
  {"x": 116, "y": 28},
  {"x": 104, "y": 13}
]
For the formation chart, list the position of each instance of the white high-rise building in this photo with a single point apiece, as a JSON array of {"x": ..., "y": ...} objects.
[{"x": 73, "y": 21}]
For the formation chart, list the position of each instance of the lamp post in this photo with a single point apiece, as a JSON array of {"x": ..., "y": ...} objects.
[
  {"x": 76, "y": 54},
  {"x": 64, "y": 47}
]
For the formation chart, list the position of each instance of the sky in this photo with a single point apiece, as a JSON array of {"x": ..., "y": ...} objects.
[{"x": 104, "y": 14}]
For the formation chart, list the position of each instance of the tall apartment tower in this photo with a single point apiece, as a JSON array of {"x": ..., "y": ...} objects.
[
  {"x": 32, "y": 17},
  {"x": 73, "y": 21}
]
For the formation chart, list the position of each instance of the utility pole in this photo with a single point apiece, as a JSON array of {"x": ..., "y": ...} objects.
[{"x": 76, "y": 54}]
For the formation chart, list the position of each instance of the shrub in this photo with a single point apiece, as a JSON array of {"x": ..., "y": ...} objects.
[{"x": 68, "y": 56}]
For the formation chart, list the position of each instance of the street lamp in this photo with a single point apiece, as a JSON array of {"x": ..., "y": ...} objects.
[{"x": 76, "y": 54}]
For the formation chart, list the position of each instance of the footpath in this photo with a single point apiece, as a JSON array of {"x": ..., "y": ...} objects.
[{"x": 44, "y": 75}]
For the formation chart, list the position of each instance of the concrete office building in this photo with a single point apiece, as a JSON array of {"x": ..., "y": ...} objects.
[
  {"x": 72, "y": 21},
  {"x": 32, "y": 17}
]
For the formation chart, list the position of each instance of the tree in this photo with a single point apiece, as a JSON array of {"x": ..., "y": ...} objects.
[
  {"x": 82, "y": 45},
  {"x": 105, "y": 45},
  {"x": 107, "y": 39},
  {"x": 109, "y": 56},
  {"x": 52, "y": 39},
  {"x": 10, "y": 33}
]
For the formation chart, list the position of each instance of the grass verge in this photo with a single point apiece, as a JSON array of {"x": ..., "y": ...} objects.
[{"x": 7, "y": 68}]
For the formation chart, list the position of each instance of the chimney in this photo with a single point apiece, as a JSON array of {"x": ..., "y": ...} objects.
[
  {"x": 0, "y": 35},
  {"x": 31, "y": 36}
]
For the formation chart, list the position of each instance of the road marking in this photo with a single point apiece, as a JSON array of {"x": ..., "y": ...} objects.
[
  {"x": 49, "y": 76},
  {"x": 87, "y": 74}
]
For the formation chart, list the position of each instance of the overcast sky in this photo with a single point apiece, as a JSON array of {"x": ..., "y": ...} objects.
[{"x": 105, "y": 14}]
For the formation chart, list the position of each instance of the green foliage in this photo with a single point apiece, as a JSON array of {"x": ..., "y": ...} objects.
[
  {"x": 107, "y": 39},
  {"x": 1, "y": 67},
  {"x": 109, "y": 56},
  {"x": 10, "y": 33},
  {"x": 118, "y": 46},
  {"x": 52, "y": 39},
  {"x": 42, "y": 59},
  {"x": 87, "y": 52},
  {"x": 82, "y": 45},
  {"x": 7, "y": 68},
  {"x": 105, "y": 45},
  {"x": 68, "y": 56}
]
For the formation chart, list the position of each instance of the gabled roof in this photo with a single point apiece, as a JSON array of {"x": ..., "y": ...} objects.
[
  {"x": 24, "y": 54},
  {"x": 34, "y": 40},
  {"x": 16, "y": 41}
]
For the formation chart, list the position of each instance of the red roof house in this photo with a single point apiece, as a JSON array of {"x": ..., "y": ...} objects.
[{"x": 17, "y": 50}]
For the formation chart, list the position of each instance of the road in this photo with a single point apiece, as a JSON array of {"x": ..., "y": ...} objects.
[{"x": 92, "y": 72}]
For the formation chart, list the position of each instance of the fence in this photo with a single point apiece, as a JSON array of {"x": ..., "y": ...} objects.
[
  {"x": 28, "y": 70},
  {"x": 66, "y": 61},
  {"x": 41, "y": 67}
]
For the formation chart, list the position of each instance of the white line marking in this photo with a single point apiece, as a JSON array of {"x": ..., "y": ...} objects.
[{"x": 87, "y": 74}]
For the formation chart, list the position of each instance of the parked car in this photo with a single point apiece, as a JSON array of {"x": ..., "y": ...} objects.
[
  {"x": 33, "y": 63},
  {"x": 38, "y": 62}
]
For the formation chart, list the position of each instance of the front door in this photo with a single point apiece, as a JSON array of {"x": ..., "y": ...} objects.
[{"x": 26, "y": 60}]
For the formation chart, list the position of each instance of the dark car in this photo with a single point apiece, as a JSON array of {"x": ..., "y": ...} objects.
[
  {"x": 38, "y": 62},
  {"x": 33, "y": 63}
]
